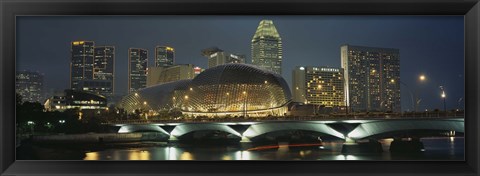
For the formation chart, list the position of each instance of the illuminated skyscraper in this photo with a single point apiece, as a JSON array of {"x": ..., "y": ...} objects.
[
  {"x": 103, "y": 68},
  {"x": 372, "y": 78},
  {"x": 164, "y": 56},
  {"x": 30, "y": 86},
  {"x": 318, "y": 85},
  {"x": 81, "y": 65},
  {"x": 267, "y": 47},
  {"x": 137, "y": 68},
  {"x": 217, "y": 57}
]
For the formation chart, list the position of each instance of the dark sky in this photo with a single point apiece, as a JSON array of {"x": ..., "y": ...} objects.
[{"x": 430, "y": 45}]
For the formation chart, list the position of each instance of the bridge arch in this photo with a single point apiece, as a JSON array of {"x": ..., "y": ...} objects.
[
  {"x": 376, "y": 128},
  {"x": 138, "y": 128},
  {"x": 183, "y": 129},
  {"x": 264, "y": 128}
]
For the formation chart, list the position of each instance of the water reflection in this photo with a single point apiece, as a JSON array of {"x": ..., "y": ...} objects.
[
  {"x": 448, "y": 148},
  {"x": 242, "y": 155}
]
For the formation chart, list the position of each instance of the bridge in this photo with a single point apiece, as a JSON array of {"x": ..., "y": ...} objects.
[{"x": 347, "y": 128}]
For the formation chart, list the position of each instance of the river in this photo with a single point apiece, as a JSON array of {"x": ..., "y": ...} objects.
[{"x": 438, "y": 148}]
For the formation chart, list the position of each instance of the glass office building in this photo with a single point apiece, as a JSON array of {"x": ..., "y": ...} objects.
[
  {"x": 104, "y": 68},
  {"x": 81, "y": 64},
  {"x": 267, "y": 47},
  {"x": 164, "y": 56},
  {"x": 137, "y": 69}
]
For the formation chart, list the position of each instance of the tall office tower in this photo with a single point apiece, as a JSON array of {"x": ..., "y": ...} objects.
[
  {"x": 137, "y": 69},
  {"x": 267, "y": 47},
  {"x": 164, "y": 56},
  {"x": 372, "y": 78},
  {"x": 217, "y": 57},
  {"x": 160, "y": 75},
  {"x": 81, "y": 64},
  {"x": 30, "y": 86},
  {"x": 319, "y": 86},
  {"x": 104, "y": 68}
]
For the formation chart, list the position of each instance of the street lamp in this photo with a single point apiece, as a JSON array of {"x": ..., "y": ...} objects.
[
  {"x": 444, "y": 97},
  {"x": 421, "y": 77}
]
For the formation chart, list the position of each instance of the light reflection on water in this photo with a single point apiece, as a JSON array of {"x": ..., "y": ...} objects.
[{"x": 448, "y": 148}]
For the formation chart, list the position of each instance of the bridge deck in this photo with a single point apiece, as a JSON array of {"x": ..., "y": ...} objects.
[{"x": 346, "y": 118}]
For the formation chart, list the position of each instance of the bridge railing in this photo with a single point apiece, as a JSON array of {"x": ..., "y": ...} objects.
[{"x": 352, "y": 116}]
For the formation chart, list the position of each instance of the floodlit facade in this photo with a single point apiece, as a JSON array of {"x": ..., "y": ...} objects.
[
  {"x": 30, "y": 86},
  {"x": 230, "y": 89},
  {"x": 137, "y": 69},
  {"x": 72, "y": 99},
  {"x": 267, "y": 47},
  {"x": 164, "y": 56},
  {"x": 318, "y": 86},
  {"x": 372, "y": 78}
]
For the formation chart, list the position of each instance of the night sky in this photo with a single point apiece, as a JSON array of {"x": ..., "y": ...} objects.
[{"x": 430, "y": 45}]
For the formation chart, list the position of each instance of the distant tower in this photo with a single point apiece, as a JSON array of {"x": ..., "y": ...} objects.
[
  {"x": 217, "y": 57},
  {"x": 164, "y": 56},
  {"x": 30, "y": 86},
  {"x": 81, "y": 64},
  {"x": 267, "y": 47},
  {"x": 137, "y": 69},
  {"x": 372, "y": 78},
  {"x": 104, "y": 67}
]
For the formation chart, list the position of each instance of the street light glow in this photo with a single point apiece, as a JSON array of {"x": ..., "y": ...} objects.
[
  {"x": 443, "y": 94},
  {"x": 422, "y": 77}
]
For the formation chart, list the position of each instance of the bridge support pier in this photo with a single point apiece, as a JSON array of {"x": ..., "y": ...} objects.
[
  {"x": 352, "y": 147},
  {"x": 172, "y": 139},
  {"x": 400, "y": 146},
  {"x": 245, "y": 143}
]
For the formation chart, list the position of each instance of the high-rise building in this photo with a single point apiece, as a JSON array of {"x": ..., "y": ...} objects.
[
  {"x": 137, "y": 68},
  {"x": 372, "y": 78},
  {"x": 30, "y": 86},
  {"x": 318, "y": 85},
  {"x": 267, "y": 47},
  {"x": 81, "y": 64},
  {"x": 159, "y": 75},
  {"x": 217, "y": 57},
  {"x": 103, "y": 68},
  {"x": 164, "y": 56}
]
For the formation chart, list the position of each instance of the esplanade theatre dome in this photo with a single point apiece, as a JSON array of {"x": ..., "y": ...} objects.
[{"x": 230, "y": 89}]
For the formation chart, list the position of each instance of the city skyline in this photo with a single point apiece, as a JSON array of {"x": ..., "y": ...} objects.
[{"x": 453, "y": 87}]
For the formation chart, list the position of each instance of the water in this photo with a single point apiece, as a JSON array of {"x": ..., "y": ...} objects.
[{"x": 441, "y": 148}]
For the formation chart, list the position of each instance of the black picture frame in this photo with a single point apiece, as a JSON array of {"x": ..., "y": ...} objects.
[{"x": 11, "y": 8}]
